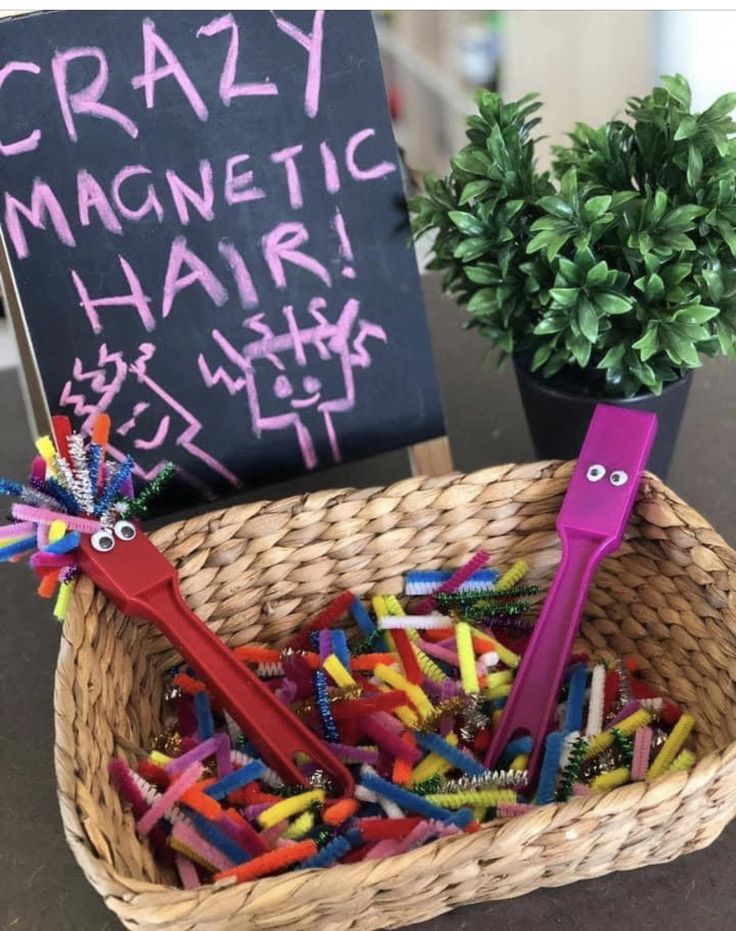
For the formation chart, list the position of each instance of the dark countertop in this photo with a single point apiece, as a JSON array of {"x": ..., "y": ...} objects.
[{"x": 41, "y": 887}]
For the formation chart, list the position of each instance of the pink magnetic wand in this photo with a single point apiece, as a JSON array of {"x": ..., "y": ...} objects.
[
  {"x": 76, "y": 514},
  {"x": 591, "y": 524}
]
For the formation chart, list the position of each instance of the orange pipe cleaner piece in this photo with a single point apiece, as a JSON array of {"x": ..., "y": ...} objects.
[{"x": 270, "y": 862}]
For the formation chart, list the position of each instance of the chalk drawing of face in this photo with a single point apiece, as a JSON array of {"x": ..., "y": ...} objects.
[{"x": 282, "y": 388}]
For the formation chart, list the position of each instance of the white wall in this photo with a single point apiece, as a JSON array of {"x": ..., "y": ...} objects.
[{"x": 702, "y": 47}]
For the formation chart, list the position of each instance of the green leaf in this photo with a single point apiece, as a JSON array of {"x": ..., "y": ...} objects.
[
  {"x": 472, "y": 190},
  {"x": 648, "y": 344},
  {"x": 694, "y": 165},
  {"x": 569, "y": 270},
  {"x": 688, "y": 127},
  {"x": 597, "y": 275},
  {"x": 480, "y": 275},
  {"x": 472, "y": 161},
  {"x": 588, "y": 321},
  {"x": 548, "y": 325},
  {"x": 541, "y": 355},
  {"x": 580, "y": 348},
  {"x": 678, "y": 88},
  {"x": 481, "y": 301},
  {"x": 696, "y": 313},
  {"x": 557, "y": 206},
  {"x": 613, "y": 357},
  {"x": 612, "y": 303},
  {"x": 564, "y": 297},
  {"x": 596, "y": 207},
  {"x": 472, "y": 248},
  {"x": 467, "y": 223}
]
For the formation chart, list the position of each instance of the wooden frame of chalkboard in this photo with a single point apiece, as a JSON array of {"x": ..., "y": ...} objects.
[{"x": 204, "y": 233}]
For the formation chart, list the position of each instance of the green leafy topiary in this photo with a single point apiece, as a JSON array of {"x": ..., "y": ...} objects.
[{"x": 617, "y": 268}]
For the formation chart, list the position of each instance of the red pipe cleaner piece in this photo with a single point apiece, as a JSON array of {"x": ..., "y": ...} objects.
[
  {"x": 327, "y": 617},
  {"x": 408, "y": 657}
]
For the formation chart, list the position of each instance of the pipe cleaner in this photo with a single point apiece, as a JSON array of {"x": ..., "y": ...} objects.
[
  {"x": 672, "y": 746},
  {"x": 511, "y": 577}
]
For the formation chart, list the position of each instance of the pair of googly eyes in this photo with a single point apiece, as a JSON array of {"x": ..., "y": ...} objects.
[
  {"x": 596, "y": 472},
  {"x": 104, "y": 540}
]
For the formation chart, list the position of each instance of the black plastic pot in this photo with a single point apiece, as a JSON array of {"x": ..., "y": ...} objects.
[{"x": 558, "y": 418}]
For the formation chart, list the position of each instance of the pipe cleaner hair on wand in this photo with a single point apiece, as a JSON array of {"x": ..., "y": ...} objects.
[{"x": 72, "y": 491}]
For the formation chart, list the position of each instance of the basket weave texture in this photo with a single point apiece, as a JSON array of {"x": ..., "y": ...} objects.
[{"x": 257, "y": 571}]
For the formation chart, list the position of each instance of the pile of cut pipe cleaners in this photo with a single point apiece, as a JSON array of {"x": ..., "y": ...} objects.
[{"x": 405, "y": 693}]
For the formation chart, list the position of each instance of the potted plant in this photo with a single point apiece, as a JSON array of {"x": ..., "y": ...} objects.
[{"x": 606, "y": 278}]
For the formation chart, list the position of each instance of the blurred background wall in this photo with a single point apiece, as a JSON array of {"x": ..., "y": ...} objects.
[{"x": 585, "y": 64}]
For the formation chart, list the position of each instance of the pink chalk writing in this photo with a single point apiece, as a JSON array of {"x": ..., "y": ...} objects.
[
  {"x": 238, "y": 188},
  {"x": 329, "y": 163},
  {"x": 312, "y": 43},
  {"x": 135, "y": 298},
  {"x": 183, "y": 195},
  {"x": 364, "y": 174},
  {"x": 286, "y": 158},
  {"x": 90, "y": 196},
  {"x": 282, "y": 245},
  {"x": 30, "y": 142},
  {"x": 153, "y": 422},
  {"x": 44, "y": 206},
  {"x": 199, "y": 273},
  {"x": 149, "y": 203},
  {"x": 243, "y": 281},
  {"x": 346, "y": 249},
  {"x": 86, "y": 101},
  {"x": 153, "y": 46},
  {"x": 342, "y": 342},
  {"x": 228, "y": 88}
]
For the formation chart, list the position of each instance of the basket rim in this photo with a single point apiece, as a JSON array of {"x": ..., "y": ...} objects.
[{"x": 100, "y": 872}]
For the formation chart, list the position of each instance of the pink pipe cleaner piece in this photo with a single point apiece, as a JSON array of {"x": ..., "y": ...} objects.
[
  {"x": 191, "y": 839},
  {"x": 44, "y": 516},
  {"x": 640, "y": 759},
  {"x": 50, "y": 560},
  {"x": 222, "y": 755},
  {"x": 17, "y": 530},
  {"x": 384, "y": 848},
  {"x": 196, "y": 755},
  {"x": 388, "y": 740},
  {"x": 170, "y": 797},
  {"x": 187, "y": 872},
  {"x": 42, "y": 536},
  {"x": 454, "y": 582},
  {"x": 38, "y": 468},
  {"x": 580, "y": 789},
  {"x": 511, "y": 810}
]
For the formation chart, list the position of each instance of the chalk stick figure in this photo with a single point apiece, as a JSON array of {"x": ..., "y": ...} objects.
[
  {"x": 280, "y": 396},
  {"x": 155, "y": 419}
]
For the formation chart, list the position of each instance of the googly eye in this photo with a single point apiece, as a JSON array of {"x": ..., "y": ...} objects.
[
  {"x": 103, "y": 541},
  {"x": 619, "y": 477},
  {"x": 595, "y": 473},
  {"x": 124, "y": 530}
]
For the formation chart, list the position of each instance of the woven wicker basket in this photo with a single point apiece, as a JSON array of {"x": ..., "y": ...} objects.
[{"x": 255, "y": 573}]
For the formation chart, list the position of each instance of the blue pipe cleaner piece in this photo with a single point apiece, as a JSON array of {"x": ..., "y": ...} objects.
[
  {"x": 550, "y": 765},
  {"x": 576, "y": 699},
  {"x": 515, "y": 748},
  {"x": 9, "y": 487},
  {"x": 235, "y": 780},
  {"x": 203, "y": 710},
  {"x": 65, "y": 498},
  {"x": 408, "y": 800},
  {"x": 14, "y": 549},
  {"x": 340, "y": 647},
  {"x": 112, "y": 489},
  {"x": 66, "y": 544},
  {"x": 217, "y": 838},
  {"x": 367, "y": 627},
  {"x": 433, "y": 743},
  {"x": 329, "y": 727},
  {"x": 332, "y": 851}
]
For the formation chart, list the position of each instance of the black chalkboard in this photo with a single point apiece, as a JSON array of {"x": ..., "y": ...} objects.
[{"x": 204, "y": 218}]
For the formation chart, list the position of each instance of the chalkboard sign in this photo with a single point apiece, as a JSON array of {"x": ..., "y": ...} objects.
[{"x": 205, "y": 235}]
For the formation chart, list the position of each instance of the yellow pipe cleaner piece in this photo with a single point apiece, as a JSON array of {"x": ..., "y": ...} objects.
[
  {"x": 504, "y": 654},
  {"x": 62, "y": 600},
  {"x": 494, "y": 679},
  {"x": 416, "y": 695},
  {"x": 301, "y": 826},
  {"x": 671, "y": 747},
  {"x": 289, "y": 807},
  {"x": 520, "y": 762},
  {"x": 56, "y": 531},
  {"x": 177, "y": 845},
  {"x": 605, "y": 739},
  {"x": 487, "y": 797},
  {"x": 610, "y": 780},
  {"x": 47, "y": 450},
  {"x": 338, "y": 672},
  {"x": 160, "y": 759},
  {"x": 500, "y": 691},
  {"x": 380, "y": 609},
  {"x": 512, "y": 576},
  {"x": 468, "y": 672},
  {"x": 685, "y": 759},
  {"x": 433, "y": 764}
]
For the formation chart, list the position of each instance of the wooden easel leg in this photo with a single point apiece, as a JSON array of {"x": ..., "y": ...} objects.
[{"x": 431, "y": 458}]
